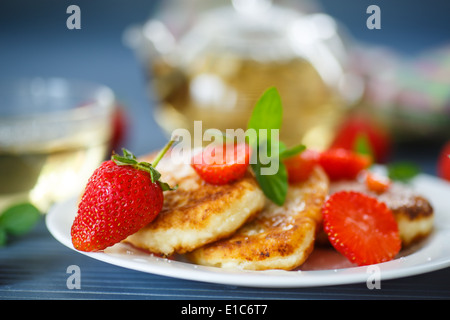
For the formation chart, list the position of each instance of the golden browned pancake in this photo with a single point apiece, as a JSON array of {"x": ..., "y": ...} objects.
[
  {"x": 413, "y": 212},
  {"x": 197, "y": 213},
  {"x": 278, "y": 238}
]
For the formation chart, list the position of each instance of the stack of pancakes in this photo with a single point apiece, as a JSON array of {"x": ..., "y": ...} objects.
[{"x": 235, "y": 225}]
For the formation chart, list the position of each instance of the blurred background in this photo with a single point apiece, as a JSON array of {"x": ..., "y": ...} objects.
[{"x": 392, "y": 83}]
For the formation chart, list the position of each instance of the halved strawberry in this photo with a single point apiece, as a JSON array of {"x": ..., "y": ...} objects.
[
  {"x": 377, "y": 183},
  {"x": 300, "y": 166},
  {"x": 361, "y": 228},
  {"x": 222, "y": 164},
  {"x": 342, "y": 163}
]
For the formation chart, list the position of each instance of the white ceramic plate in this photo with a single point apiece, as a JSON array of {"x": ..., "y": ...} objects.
[{"x": 324, "y": 267}]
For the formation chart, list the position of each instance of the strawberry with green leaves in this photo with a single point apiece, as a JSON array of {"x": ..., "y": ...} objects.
[{"x": 122, "y": 196}]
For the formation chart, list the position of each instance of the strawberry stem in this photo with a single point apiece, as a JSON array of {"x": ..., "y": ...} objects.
[
  {"x": 129, "y": 159},
  {"x": 163, "y": 152}
]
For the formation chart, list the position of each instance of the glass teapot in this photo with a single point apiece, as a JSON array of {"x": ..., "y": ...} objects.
[{"x": 213, "y": 64}]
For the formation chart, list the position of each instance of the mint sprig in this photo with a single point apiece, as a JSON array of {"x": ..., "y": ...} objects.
[
  {"x": 287, "y": 153},
  {"x": 17, "y": 220},
  {"x": 403, "y": 171},
  {"x": 268, "y": 115}
]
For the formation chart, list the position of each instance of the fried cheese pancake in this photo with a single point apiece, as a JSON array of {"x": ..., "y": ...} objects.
[
  {"x": 197, "y": 213},
  {"x": 413, "y": 212},
  {"x": 280, "y": 237}
]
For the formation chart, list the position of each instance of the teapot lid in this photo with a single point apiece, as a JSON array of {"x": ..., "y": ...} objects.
[
  {"x": 263, "y": 31},
  {"x": 255, "y": 29}
]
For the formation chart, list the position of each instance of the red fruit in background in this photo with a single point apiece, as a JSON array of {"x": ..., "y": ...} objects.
[
  {"x": 356, "y": 126},
  {"x": 343, "y": 164},
  {"x": 300, "y": 166},
  {"x": 361, "y": 228},
  {"x": 120, "y": 124},
  {"x": 222, "y": 164},
  {"x": 443, "y": 163}
]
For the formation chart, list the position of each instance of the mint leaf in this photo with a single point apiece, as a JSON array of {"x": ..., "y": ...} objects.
[
  {"x": 3, "y": 237},
  {"x": 19, "y": 219},
  {"x": 287, "y": 153},
  {"x": 362, "y": 145},
  {"x": 402, "y": 171},
  {"x": 274, "y": 186},
  {"x": 267, "y": 115},
  {"x": 268, "y": 111}
]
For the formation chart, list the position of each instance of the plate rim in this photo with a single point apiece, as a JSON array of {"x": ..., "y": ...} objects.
[{"x": 267, "y": 278}]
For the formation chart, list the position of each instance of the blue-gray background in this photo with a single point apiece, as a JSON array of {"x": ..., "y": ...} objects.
[{"x": 34, "y": 41}]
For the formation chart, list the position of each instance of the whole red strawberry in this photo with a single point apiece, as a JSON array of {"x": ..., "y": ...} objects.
[{"x": 122, "y": 196}]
